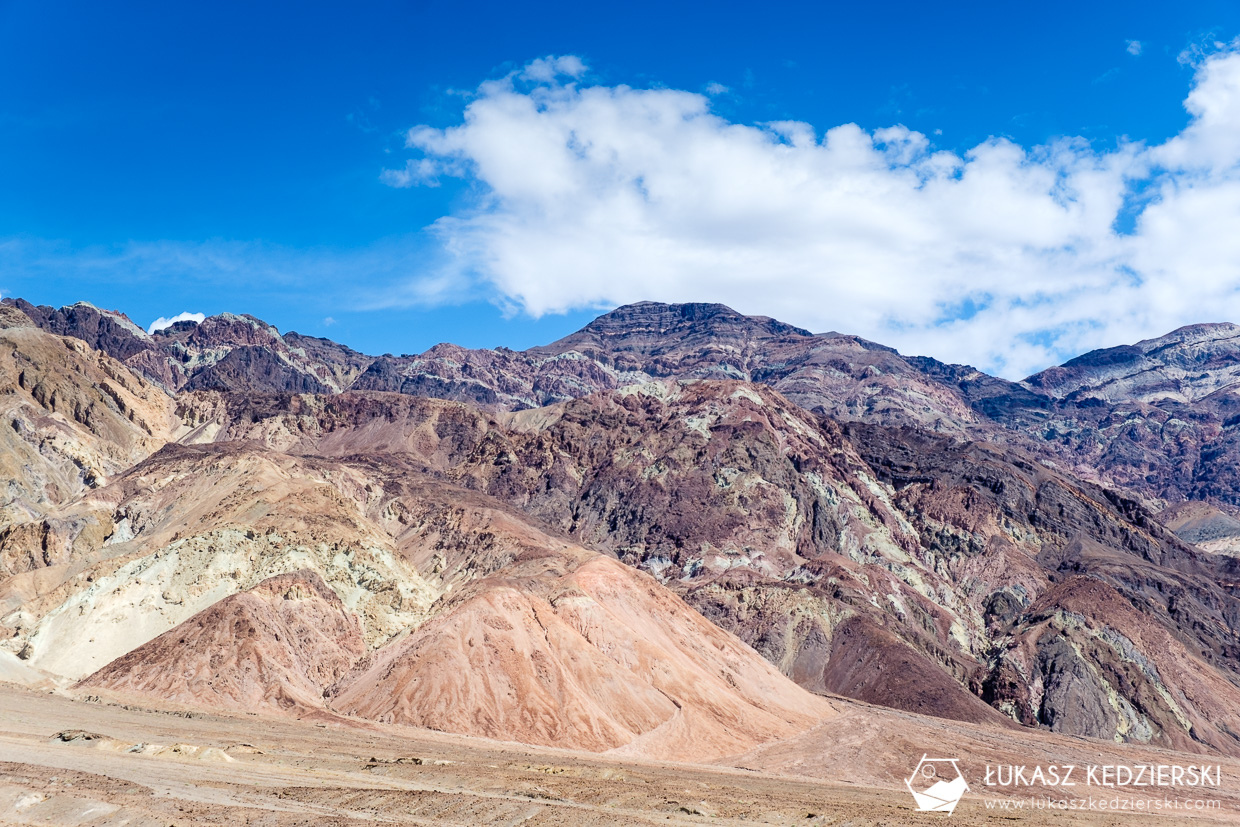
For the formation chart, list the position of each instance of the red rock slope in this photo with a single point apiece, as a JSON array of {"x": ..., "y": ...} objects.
[
  {"x": 272, "y": 648},
  {"x": 576, "y": 650}
]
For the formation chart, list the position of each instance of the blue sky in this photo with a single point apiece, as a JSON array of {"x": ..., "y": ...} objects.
[{"x": 159, "y": 158}]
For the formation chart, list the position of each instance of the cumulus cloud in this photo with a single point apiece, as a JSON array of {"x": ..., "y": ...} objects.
[
  {"x": 1009, "y": 257},
  {"x": 163, "y": 322},
  {"x": 1134, "y": 47}
]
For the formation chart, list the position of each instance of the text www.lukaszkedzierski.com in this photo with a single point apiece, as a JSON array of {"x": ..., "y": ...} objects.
[{"x": 1110, "y": 804}]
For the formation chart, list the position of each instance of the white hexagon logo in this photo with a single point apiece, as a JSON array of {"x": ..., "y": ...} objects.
[{"x": 937, "y": 784}]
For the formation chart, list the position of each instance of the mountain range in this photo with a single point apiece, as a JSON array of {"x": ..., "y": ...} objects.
[{"x": 676, "y": 533}]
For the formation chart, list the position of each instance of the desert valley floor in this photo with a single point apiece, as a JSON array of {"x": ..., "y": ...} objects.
[{"x": 102, "y": 762}]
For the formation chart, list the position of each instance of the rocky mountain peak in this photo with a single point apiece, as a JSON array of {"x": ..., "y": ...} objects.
[
  {"x": 183, "y": 326},
  {"x": 1185, "y": 365},
  {"x": 1207, "y": 332},
  {"x": 228, "y": 351},
  {"x": 1138, "y": 416},
  {"x": 110, "y": 331},
  {"x": 116, "y": 316},
  {"x": 648, "y": 327},
  {"x": 228, "y": 329}
]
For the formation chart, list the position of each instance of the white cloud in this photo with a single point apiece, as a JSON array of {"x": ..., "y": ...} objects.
[
  {"x": 1134, "y": 47},
  {"x": 548, "y": 69},
  {"x": 163, "y": 322},
  {"x": 415, "y": 172},
  {"x": 1004, "y": 256}
]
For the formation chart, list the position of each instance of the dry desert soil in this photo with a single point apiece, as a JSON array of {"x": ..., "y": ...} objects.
[{"x": 66, "y": 761}]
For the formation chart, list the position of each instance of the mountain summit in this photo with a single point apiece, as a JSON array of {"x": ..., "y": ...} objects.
[
  {"x": 1186, "y": 365},
  {"x": 1174, "y": 391},
  {"x": 648, "y": 329}
]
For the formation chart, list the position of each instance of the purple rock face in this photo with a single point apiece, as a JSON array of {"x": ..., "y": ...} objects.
[
  {"x": 226, "y": 352},
  {"x": 1158, "y": 418}
]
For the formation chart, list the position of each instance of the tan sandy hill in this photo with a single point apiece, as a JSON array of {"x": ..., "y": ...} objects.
[
  {"x": 276, "y": 646},
  {"x": 577, "y": 650}
]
